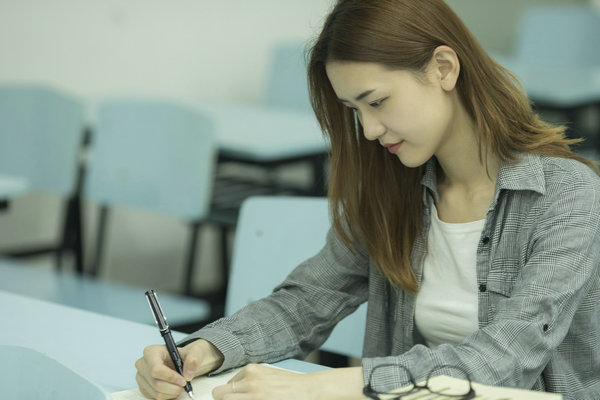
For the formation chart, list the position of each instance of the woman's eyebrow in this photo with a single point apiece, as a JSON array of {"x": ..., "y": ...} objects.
[{"x": 359, "y": 97}]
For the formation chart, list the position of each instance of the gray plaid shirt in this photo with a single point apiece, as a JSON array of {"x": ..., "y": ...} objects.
[{"x": 538, "y": 279}]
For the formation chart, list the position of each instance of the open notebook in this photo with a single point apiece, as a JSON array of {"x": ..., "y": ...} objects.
[{"x": 203, "y": 387}]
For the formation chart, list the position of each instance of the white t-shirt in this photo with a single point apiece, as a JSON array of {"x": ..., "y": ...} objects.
[{"x": 446, "y": 304}]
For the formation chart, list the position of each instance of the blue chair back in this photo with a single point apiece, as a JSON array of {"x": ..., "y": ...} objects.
[
  {"x": 273, "y": 236},
  {"x": 40, "y": 136},
  {"x": 559, "y": 36},
  {"x": 287, "y": 84},
  {"x": 152, "y": 155},
  {"x": 28, "y": 374}
]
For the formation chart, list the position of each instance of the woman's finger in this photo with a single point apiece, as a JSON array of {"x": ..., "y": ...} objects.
[
  {"x": 155, "y": 373},
  {"x": 233, "y": 390},
  {"x": 157, "y": 390}
]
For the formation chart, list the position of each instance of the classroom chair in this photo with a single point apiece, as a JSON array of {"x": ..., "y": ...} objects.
[
  {"x": 555, "y": 59},
  {"x": 285, "y": 95},
  {"x": 287, "y": 84},
  {"x": 287, "y": 88},
  {"x": 273, "y": 236},
  {"x": 558, "y": 36},
  {"x": 152, "y": 155},
  {"x": 41, "y": 135}
]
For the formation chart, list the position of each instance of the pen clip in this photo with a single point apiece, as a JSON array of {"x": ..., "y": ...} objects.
[{"x": 157, "y": 312}]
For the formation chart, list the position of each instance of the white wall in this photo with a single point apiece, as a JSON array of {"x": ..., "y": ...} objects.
[{"x": 182, "y": 48}]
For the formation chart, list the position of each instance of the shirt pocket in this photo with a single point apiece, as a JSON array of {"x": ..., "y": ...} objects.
[{"x": 499, "y": 287}]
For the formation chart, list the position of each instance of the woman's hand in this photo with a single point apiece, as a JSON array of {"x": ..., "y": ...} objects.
[
  {"x": 260, "y": 382},
  {"x": 156, "y": 376}
]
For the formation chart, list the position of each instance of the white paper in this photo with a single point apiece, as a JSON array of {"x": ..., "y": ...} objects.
[{"x": 202, "y": 388}]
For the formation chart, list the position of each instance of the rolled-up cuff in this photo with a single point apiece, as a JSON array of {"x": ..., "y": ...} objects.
[{"x": 225, "y": 342}]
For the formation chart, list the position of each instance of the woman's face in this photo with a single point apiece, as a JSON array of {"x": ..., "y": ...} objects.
[{"x": 410, "y": 115}]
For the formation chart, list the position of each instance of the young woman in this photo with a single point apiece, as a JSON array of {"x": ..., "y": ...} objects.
[{"x": 467, "y": 223}]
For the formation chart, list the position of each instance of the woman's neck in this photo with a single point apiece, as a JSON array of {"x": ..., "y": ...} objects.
[
  {"x": 466, "y": 163},
  {"x": 467, "y": 176}
]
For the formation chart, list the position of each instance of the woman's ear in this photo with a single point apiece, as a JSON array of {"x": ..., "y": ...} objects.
[{"x": 446, "y": 67}]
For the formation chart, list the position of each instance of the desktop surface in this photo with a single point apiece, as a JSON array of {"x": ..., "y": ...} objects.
[{"x": 100, "y": 348}]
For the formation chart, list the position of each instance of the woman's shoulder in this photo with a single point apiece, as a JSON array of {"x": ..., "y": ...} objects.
[
  {"x": 546, "y": 174},
  {"x": 569, "y": 184},
  {"x": 545, "y": 180},
  {"x": 568, "y": 171}
]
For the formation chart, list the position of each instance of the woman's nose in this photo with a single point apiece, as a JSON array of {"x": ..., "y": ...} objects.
[{"x": 372, "y": 127}]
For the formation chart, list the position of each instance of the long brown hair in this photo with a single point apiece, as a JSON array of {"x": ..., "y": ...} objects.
[{"x": 374, "y": 198}]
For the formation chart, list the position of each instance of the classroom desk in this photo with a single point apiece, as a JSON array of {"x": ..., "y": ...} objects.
[
  {"x": 553, "y": 85},
  {"x": 268, "y": 136},
  {"x": 100, "y": 348},
  {"x": 260, "y": 135},
  {"x": 84, "y": 292},
  {"x": 564, "y": 89},
  {"x": 561, "y": 88},
  {"x": 11, "y": 186},
  {"x": 264, "y": 134}
]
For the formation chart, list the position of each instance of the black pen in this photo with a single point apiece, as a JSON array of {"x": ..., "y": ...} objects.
[{"x": 165, "y": 332}]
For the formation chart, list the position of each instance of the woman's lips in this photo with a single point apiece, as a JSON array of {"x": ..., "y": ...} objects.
[{"x": 393, "y": 147}]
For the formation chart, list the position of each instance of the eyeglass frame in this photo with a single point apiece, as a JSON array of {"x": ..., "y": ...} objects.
[{"x": 373, "y": 394}]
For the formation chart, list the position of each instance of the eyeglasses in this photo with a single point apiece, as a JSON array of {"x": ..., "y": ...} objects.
[{"x": 461, "y": 391}]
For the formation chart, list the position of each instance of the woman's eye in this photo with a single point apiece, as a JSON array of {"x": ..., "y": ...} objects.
[{"x": 377, "y": 103}]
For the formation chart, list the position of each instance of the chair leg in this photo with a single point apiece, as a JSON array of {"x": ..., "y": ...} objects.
[
  {"x": 596, "y": 108},
  {"x": 78, "y": 234},
  {"x": 319, "y": 182},
  {"x": 573, "y": 126},
  {"x": 191, "y": 258},
  {"x": 72, "y": 237},
  {"x": 96, "y": 260},
  {"x": 224, "y": 256},
  {"x": 216, "y": 299}
]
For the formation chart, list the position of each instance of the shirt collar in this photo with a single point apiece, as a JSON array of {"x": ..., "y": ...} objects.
[
  {"x": 429, "y": 180},
  {"x": 526, "y": 172}
]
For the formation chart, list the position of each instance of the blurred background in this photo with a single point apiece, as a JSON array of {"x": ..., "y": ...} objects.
[{"x": 186, "y": 51}]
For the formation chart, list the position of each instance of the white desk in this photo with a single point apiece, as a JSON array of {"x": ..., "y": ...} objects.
[
  {"x": 269, "y": 137},
  {"x": 568, "y": 90},
  {"x": 252, "y": 132},
  {"x": 559, "y": 87},
  {"x": 100, "y": 348},
  {"x": 257, "y": 134},
  {"x": 264, "y": 134},
  {"x": 108, "y": 298},
  {"x": 555, "y": 86}
]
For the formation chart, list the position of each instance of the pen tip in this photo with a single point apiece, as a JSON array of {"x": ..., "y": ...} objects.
[{"x": 191, "y": 394}]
